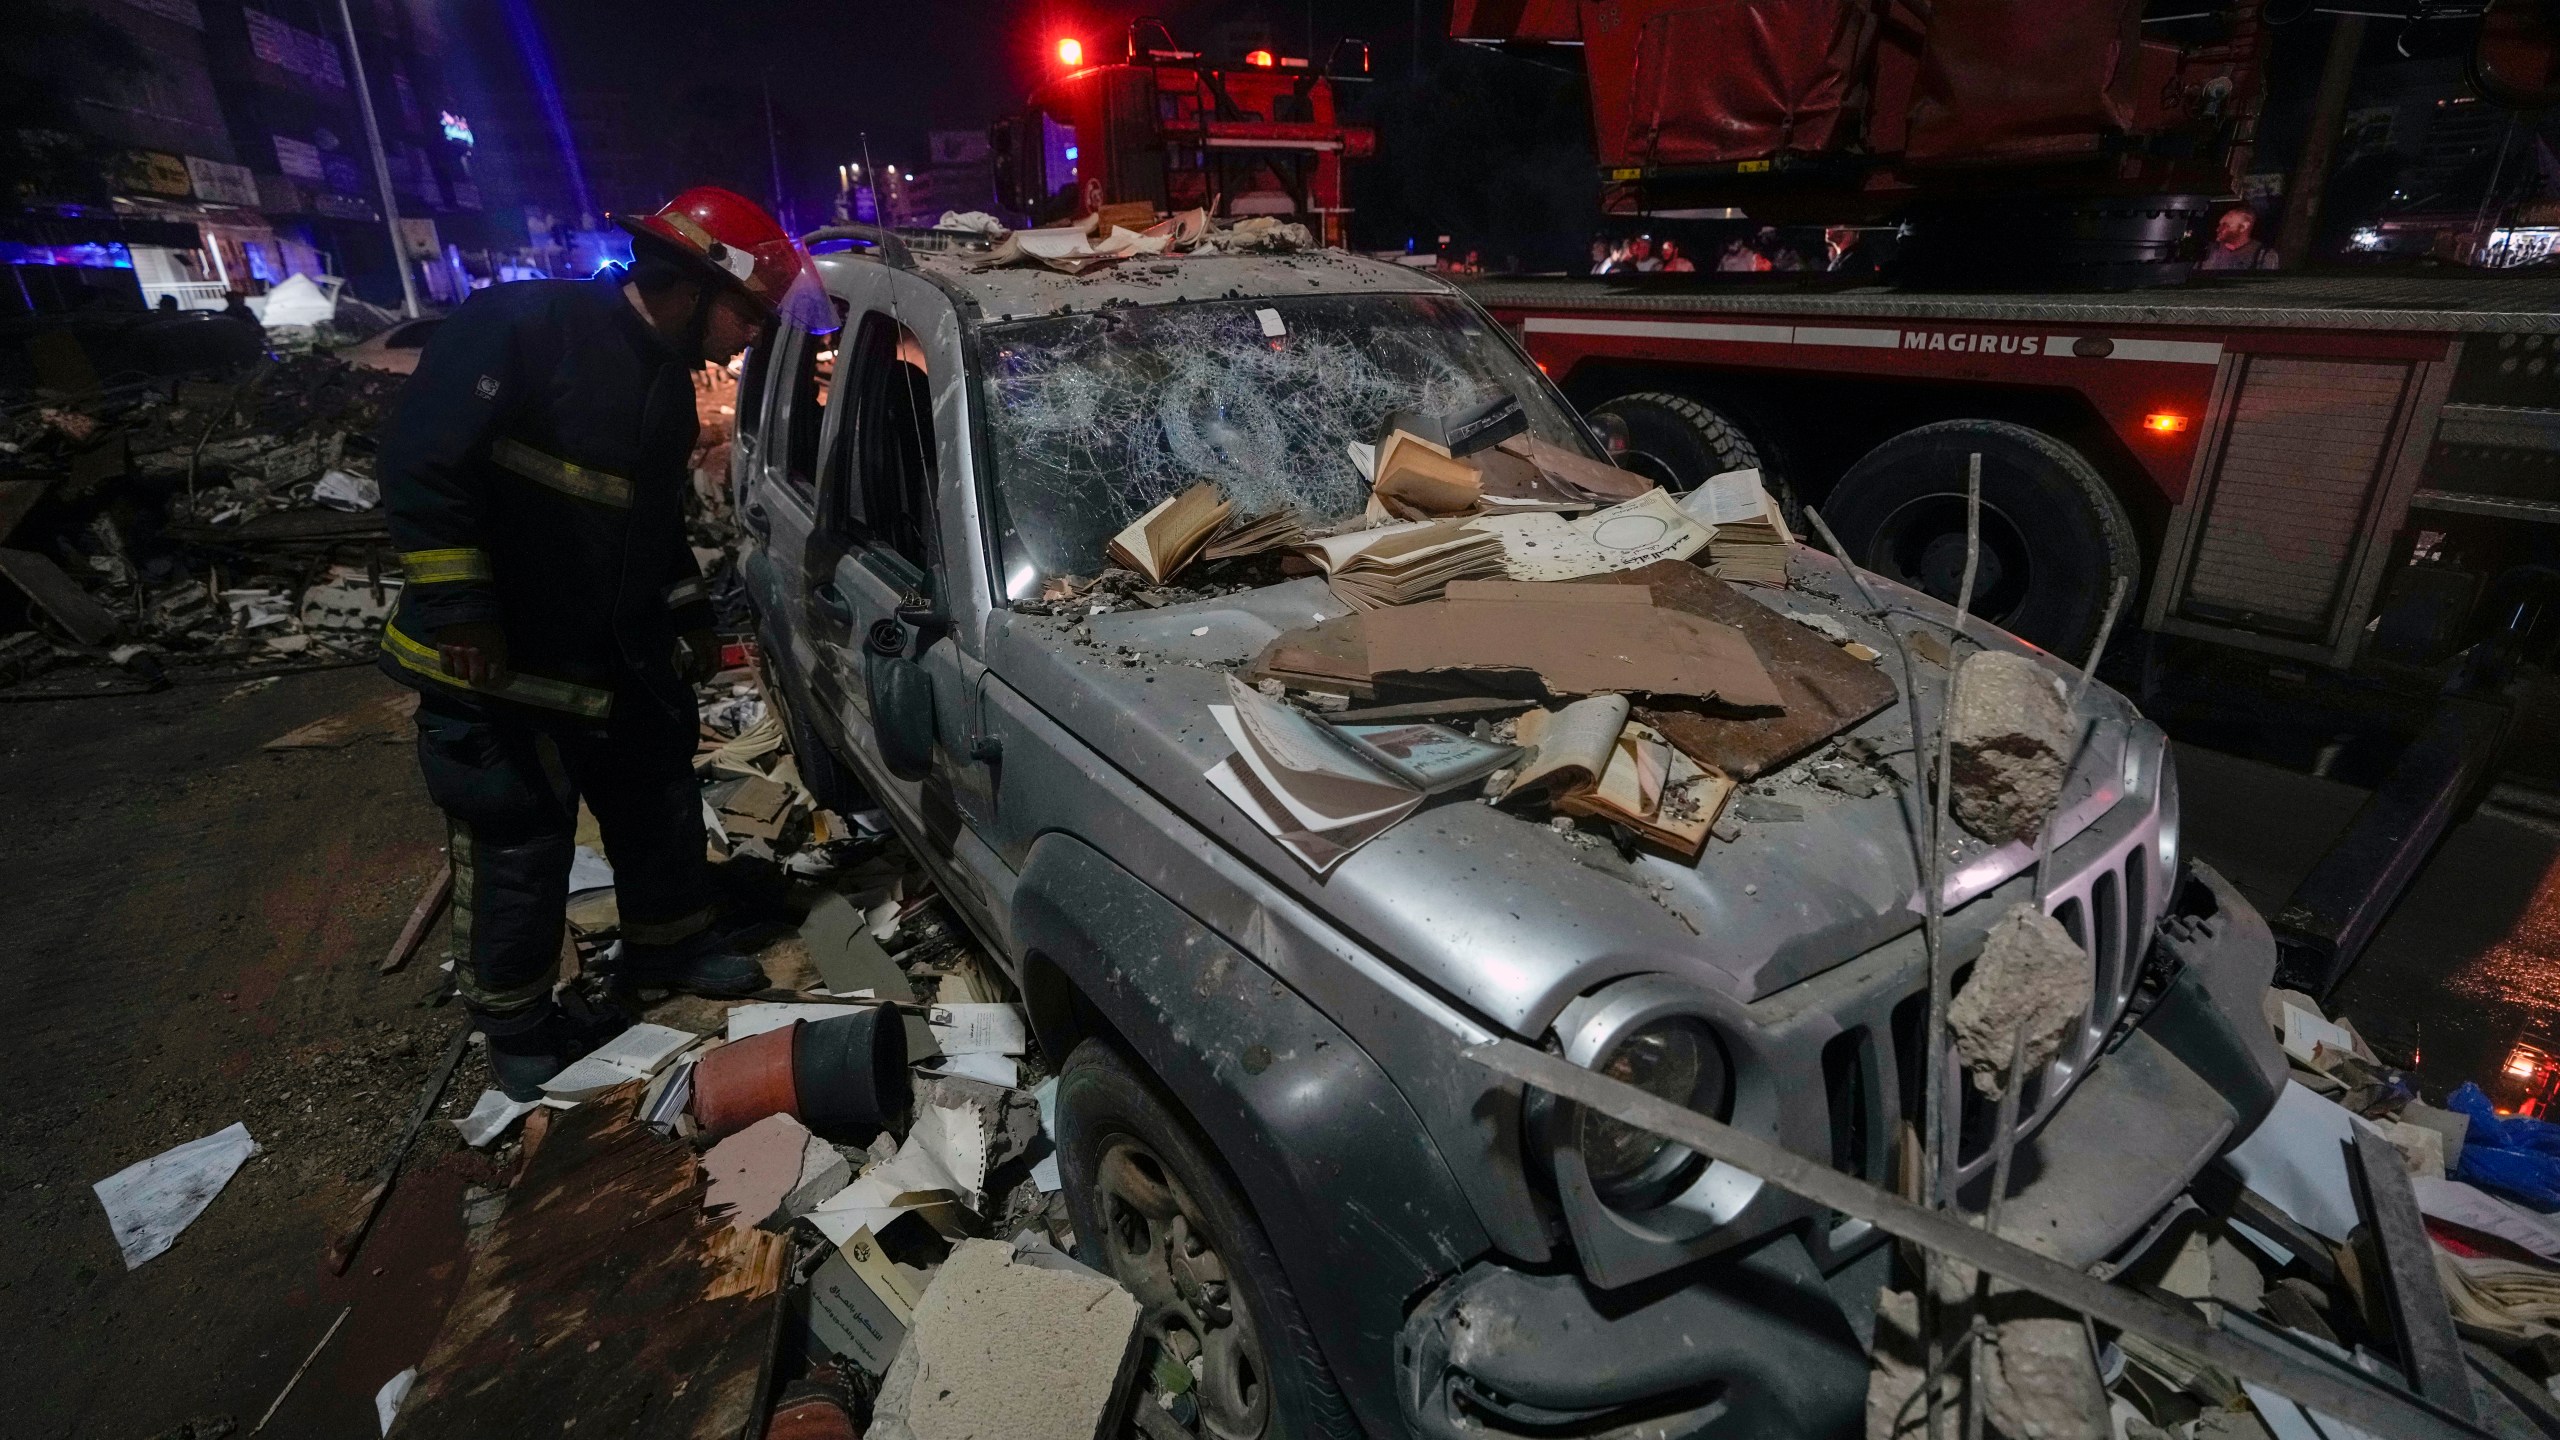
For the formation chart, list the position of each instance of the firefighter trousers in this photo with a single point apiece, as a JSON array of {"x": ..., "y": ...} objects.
[{"x": 509, "y": 782}]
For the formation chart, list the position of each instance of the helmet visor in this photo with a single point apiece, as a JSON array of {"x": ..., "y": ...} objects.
[{"x": 805, "y": 303}]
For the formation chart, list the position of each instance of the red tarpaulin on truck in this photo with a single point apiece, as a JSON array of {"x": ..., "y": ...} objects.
[
  {"x": 2010, "y": 79},
  {"x": 1744, "y": 80}
]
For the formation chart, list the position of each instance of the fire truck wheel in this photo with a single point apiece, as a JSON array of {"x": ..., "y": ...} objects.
[
  {"x": 2055, "y": 537},
  {"x": 1676, "y": 442}
]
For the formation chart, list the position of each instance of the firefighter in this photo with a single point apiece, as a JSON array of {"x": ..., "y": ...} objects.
[{"x": 554, "y": 619}]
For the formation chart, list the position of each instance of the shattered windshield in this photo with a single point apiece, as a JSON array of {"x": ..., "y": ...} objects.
[{"x": 1097, "y": 417}]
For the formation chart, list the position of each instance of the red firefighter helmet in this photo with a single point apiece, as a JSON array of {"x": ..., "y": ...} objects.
[{"x": 732, "y": 237}]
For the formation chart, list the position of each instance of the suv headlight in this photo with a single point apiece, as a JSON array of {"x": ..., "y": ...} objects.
[{"x": 1678, "y": 1060}]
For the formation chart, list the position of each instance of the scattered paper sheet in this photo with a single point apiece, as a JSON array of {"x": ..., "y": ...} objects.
[
  {"x": 2305, "y": 1033},
  {"x": 2293, "y": 1159},
  {"x": 992, "y": 1067},
  {"x": 913, "y": 1178},
  {"x": 980, "y": 1029},
  {"x": 2458, "y": 1204},
  {"x": 588, "y": 871},
  {"x": 491, "y": 1116},
  {"x": 388, "y": 1399},
  {"x": 150, "y": 1201},
  {"x": 757, "y": 1018},
  {"x": 1731, "y": 498},
  {"x": 954, "y": 1138},
  {"x": 635, "y": 1054},
  {"x": 1541, "y": 545}
]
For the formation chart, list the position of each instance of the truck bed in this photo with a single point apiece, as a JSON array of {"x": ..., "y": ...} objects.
[{"x": 2459, "y": 301}]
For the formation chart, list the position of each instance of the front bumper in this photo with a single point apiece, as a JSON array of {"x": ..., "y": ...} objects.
[{"x": 1763, "y": 1344}]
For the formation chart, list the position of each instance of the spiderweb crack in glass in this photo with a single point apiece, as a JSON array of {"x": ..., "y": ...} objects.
[{"x": 1099, "y": 417}]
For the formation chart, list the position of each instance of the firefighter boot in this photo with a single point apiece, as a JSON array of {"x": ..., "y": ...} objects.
[
  {"x": 700, "y": 964},
  {"x": 529, "y": 1046}
]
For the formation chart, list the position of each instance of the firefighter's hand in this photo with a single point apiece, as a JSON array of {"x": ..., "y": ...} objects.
[
  {"x": 475, "y": 654},
  {"x": 697, "y": 655}
]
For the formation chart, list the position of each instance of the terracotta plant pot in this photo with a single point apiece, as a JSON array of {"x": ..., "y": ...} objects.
[{"x": 742, "y": 1082}]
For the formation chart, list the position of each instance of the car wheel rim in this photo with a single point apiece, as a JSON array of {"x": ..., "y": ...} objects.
[{"x": 1156, "y": 1244}]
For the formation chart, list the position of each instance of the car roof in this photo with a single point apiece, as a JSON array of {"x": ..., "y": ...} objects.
[{"x": 1021, "y": 292}]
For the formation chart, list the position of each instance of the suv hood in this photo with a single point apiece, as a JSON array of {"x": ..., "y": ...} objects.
[{"x": 1499, "y": 910}]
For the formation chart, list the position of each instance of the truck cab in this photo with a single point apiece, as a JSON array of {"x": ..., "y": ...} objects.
[{"x": 1267, "y": 1127}]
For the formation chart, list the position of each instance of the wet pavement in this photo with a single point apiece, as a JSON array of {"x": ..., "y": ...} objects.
[{"x": 2470, "y": 961}]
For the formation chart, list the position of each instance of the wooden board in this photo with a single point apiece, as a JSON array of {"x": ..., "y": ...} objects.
[
  {"x": 604, "y": 1301},
  {"x": 57, "y": 595},
  {"x": 1824, "y": 690},
  {"x": 17, "y": 499}
]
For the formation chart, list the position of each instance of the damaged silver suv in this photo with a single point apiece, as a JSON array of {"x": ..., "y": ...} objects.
[{"x": 1266, "y": 1126}]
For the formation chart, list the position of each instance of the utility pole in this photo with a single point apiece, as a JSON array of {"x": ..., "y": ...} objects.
[
  {"x": 2302, "y": 193},
  {"x": 772, "y": 150},
  {"x": 381, "y": 168}
]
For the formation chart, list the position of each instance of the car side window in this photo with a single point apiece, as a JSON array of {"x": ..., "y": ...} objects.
[
  {"x": 890, "y": 466},
  {"x": 752, "y": 369},
  {"x": 807, "y": 363}
]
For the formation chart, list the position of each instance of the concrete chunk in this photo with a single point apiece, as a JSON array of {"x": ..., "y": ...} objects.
[
  {"x": 1002, "y": 1350},
  {"x": 2010, "y": 741},
  {"x": 2030, "y": 970},
  {"x": 2042, "y": 1383}
]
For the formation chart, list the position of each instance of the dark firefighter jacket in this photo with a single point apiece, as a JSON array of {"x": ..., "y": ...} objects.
[{"x": 535, "y": 472}]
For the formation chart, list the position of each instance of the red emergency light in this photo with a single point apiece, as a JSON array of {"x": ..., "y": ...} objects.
[
  {"x": 1260, "y": 59},
  {"x": 2165, "y": 422},
  {"x": 1070, "y": 52}
]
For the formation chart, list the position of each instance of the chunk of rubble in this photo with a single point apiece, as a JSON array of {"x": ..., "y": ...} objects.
[
  {"x": 2010, "y": 742},
  {"x": 1000, "y": 1347},
  {"x": 2031, "y": 970},
  {"x": 2041, "y": 1383}
]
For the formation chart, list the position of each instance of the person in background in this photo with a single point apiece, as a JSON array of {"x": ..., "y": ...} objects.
[
  {"x": 1774, "y": 248},
  {"x": 1601, "y": 257},
  {"x": 168, "y": 305},
  {"x": 236, "y": 306},
  {"x": 1850, "y": 255},
  {"x": 1674, "y": 262},
  {"x": 1739, "y": 258},
  {"x": 2235, "y": 243},
  {"x": 1640, "y": 255}
]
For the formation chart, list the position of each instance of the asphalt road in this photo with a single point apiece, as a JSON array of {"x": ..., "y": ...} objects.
[{"x": 2470, "y": 961}]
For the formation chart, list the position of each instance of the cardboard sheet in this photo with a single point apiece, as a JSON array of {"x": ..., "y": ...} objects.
[
  {"x": 1823, "y": 690},
  {"x": 1570, "y": 650}
]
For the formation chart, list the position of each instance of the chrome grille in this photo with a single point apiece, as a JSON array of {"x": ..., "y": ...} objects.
[{"x": 2108, "y": 903}]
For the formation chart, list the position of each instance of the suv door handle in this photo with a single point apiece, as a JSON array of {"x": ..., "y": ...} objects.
[
  {"x": 831, "y": 600},
  {"x": 758, "y": 519}
]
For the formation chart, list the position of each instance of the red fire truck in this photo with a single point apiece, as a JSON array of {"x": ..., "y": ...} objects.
[
  {"x": 1253, "y": 133},
  {"x": 2343, "y": 481}
]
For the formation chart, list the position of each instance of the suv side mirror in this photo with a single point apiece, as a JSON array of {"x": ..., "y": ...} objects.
[
  {"x": 901, "y": 696},
  {"x": 901, "y": 713},
  {"x": 1612, "y": 432}
]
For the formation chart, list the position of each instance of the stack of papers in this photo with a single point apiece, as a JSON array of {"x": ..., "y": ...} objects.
[
  {"x": 1417, "y": 479},
  {"x": 1540, "y": 545},
  {"x": 1751, "y": 537},
  {"x": 1595, "y": 761},
  {"x": 1253, "y": 534},
  {"x": 1324, "y": 792},
  {"x": 1399, "y": 564}
]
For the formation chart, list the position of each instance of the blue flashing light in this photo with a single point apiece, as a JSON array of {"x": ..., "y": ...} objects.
[{"x": 1071, "y": 152}]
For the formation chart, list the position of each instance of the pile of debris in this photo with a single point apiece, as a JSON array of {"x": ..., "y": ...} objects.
[
  {"x": 208, "y": 523},
  {"x": 840, "y": 1198},
  {"x": 2410, "y": 1241}
]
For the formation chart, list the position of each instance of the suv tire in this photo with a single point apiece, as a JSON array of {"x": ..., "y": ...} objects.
[
  {"x": 2055, "y": 537},
  {"x": 1155, "y": 1209}
]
